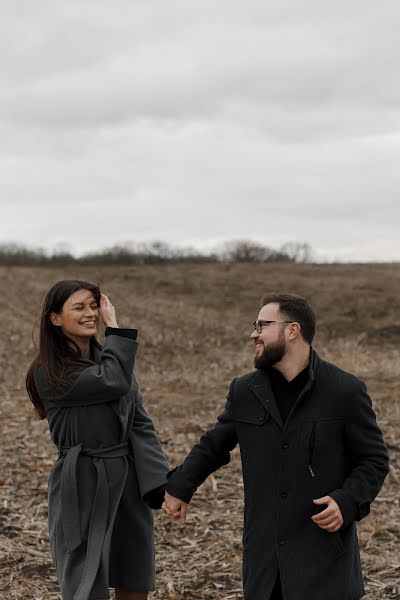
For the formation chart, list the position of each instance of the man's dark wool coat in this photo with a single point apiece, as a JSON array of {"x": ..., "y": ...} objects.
[{"x": 329, "y": 445}]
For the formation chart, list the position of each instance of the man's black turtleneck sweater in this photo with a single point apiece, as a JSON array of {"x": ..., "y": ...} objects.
[{"x": 286, "y": 392}]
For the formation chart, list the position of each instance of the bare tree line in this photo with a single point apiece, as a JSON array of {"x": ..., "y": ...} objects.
[{"x": 157, "y": 252}]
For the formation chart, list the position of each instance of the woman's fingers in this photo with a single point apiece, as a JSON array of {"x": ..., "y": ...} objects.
[
  {"x": 105, "y": 300},
  {"x": 107, "y": 312},
  {"x": 178, "y": 511}
]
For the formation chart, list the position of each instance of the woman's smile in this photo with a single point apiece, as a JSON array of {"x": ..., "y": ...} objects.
[{"x": 89, "y": 324}]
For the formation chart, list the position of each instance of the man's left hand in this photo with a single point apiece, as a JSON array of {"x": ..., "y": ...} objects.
[{"x": 331, "y": 518}]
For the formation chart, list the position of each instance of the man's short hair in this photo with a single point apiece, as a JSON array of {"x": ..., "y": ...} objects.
[{"x": 297, "y": 309}]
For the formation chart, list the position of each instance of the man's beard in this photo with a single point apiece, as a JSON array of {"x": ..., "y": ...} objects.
[{"x": 271, "y": 354}]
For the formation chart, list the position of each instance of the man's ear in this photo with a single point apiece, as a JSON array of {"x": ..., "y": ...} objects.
[
  {"x": 55, "y": 319},
  {"x": 294, "y": 330}
]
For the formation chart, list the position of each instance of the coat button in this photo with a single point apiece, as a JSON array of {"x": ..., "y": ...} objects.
[
  {"x": 282, "y": 542},
  {"x": 261, "y": 418},
  {"x": 284, "y": 445},
  {"x": 284, "y": 495}
]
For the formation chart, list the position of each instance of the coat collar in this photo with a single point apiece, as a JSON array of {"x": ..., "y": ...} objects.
[
  {"x": 261, "y": 386},
  {"x": 96, "y": 353}
]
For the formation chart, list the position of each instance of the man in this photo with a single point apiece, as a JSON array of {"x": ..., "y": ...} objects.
[{"x": 313, "y": 460}]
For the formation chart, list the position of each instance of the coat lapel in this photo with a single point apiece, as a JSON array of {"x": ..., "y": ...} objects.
[{"x": 261, "y": 387}]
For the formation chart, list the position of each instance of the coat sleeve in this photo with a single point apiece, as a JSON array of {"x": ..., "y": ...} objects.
[
  {"x": 209, "y": 454},
  {"x": 150, "y": 462},
  {"x": 99, "y": 383},
  {"x": 369, "y": 460}
]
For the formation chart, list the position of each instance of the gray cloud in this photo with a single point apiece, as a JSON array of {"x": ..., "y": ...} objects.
[{"x": 198, "y": 123}]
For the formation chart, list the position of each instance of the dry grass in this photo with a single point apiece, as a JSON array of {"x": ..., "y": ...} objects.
[{"x": 194, "y": 323}]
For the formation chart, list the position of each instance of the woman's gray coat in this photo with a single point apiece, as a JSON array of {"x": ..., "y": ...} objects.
[{"x": 101, "y": 528}]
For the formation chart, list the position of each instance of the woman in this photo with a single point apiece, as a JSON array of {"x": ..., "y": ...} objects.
[{"x": 111, "y": 470}]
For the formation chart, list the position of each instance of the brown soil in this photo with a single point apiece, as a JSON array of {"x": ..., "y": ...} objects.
[{"x": 194, "y": 322}]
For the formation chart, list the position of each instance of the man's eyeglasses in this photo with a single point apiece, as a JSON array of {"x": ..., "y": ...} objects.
[{"x": 258, "y": 325}]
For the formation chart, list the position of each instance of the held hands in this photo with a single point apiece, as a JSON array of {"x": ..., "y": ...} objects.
[
  {"x": 107, "y": 312},
  {"x": 331, "y": 518},
  {"x": 174, "y": 507}
]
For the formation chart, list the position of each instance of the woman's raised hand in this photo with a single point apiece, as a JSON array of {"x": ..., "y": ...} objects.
[{"x": 107, "y": 312}]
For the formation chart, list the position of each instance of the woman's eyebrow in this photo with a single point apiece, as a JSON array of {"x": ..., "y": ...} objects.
[{"x": 82, "y": 303}]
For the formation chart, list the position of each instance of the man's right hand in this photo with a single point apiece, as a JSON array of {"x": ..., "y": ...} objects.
[{"x": 174, "y": 507}]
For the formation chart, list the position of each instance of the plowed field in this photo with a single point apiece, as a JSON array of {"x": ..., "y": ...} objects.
[{"x": 194, "y": 322}]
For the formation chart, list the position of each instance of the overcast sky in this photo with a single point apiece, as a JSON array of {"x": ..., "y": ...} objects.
[{"x": 199, "y": 122}]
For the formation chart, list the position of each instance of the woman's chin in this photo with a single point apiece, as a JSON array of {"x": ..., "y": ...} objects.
[{"x": 88, "y": 332}]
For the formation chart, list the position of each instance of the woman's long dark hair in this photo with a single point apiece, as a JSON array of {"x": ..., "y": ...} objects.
[{"x": 57, "y": 354}]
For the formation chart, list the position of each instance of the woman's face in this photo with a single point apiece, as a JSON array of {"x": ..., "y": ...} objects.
[{"x": 79, "y": 315}]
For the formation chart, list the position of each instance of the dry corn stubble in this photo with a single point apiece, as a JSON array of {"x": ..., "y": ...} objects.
[{"x": 194, "y": 322}]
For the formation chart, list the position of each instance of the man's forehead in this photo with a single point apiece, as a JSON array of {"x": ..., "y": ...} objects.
[{"x": 269, "y": 312}]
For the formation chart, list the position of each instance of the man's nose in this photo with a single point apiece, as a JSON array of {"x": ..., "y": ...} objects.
[{"x": 254, "y": 335}]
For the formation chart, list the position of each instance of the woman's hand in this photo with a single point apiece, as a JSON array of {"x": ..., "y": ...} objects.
[
  {"x": 107, "y": 312},
  {"x": 174, "y": 507}
]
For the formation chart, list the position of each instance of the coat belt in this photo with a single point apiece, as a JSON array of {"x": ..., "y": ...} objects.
[{"x": 99, "y": 519}]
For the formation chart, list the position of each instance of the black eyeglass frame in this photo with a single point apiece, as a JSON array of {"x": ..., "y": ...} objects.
[{"x": 259, "y": 323}]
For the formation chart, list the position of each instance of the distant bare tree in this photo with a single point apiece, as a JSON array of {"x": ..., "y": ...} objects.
[
  {"x": 62, "y": 254},
  {"x": 156, "y": 251},
  {"x": 16, "y": 254},
  {"x": 298, "y": 252},
  {"x": 119, "y": 254},
  {"x": 249, "y": 251},
  {"x": 144, "y": 253}
]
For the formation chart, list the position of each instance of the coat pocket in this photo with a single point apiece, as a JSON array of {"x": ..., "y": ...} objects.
[
  {"x": 324, "y": 445},
  {"x": 329, "y": 440},
  {"x": 335, "y": 543},
  {"x": 250, "y": 411},
  {"x": 311, "y": 448},
  {"x": 251, "y": 416}
]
